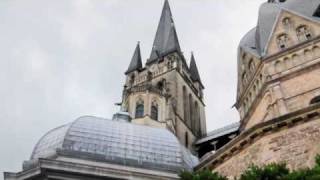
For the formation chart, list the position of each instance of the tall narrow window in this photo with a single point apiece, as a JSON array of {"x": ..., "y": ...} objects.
[
  {"x": 185, "y": 104},
  {"x": 197, "y": 119},
  {"x": 191, "y": 121},
  {"x": 186, "y": 139},
  {"x": 303, "y": 33},
  {"x": 154, "y": 111},
  {"x": 139, "y": 109}
]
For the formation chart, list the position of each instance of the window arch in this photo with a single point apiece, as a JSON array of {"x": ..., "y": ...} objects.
[
  {"x": 286, "y": 22},
  {"x": 282, "y": 41},
  {"x": 278, "y": 66},
  {"x": 315, "y": 100},
  {"x": 139, "y": 109},
  {"x": 303, "y": 33},
  {"x": 154, "y": 111}
]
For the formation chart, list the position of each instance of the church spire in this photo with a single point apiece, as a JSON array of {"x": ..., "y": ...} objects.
[
  {"x": 194, "y": 70},
  {"x": 166, "y": 40},
  {"x": 136, "y": 62}
]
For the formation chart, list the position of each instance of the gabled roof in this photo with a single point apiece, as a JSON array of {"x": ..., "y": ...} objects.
[
  {"x": 268, "y": 15},
  {"x": 166, "y": 40},
  {"x": 194, "y": 70},
  {"x": 136, "y": 62}
]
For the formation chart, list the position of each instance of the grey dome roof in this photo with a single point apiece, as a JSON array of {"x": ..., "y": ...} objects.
[
  {"x": 256, "y": 40},
  {"x": 116, "y": 142}
]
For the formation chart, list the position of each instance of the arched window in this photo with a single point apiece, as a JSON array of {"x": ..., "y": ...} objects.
[
  {"x": 197, "y": 123},
  {"x": 191, "y": 116},
  {"x": 303, "y": 33},
  {"x": 286, "y": 22},
  {"x": 282, "y": 41},
  {"x": 185, "y": 104},
  {"x": 132, "y": 78},
  {"x": 315, "y": 100},
  {"x": 154, "y": 111},
  {"x": 139, "y": 109}
]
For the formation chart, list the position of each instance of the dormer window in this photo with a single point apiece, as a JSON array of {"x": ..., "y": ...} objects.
[
  {"x": 303, "y": 33},
  {"x": 282, "y": 41}
]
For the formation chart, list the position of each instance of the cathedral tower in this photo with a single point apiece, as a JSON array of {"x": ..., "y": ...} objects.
[{"x": 166, "y": 92}]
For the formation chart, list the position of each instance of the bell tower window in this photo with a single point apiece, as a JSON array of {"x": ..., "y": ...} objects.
[
  {"x": 139, "y": 109},
  {"x": 154, "y": 111},
  {"x": 303, "y": 33}
]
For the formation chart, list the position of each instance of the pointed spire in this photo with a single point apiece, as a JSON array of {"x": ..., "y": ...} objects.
[
  {"x": 136, "y": 62},
  {"x": 194, "y": 70},
  {"x": 166, "y": 40}
]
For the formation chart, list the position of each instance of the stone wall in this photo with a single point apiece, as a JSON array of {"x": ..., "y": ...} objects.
[{"x": 297, "y": 146}]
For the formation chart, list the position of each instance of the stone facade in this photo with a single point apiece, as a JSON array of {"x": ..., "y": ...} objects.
[
  {"x": 293, "y": 139},
  {"x": 179, "y": 100},
  {"x": 296, "y": 146},
  {"x": 278, "y": 91},
  {"x": 271, "y": 88}
]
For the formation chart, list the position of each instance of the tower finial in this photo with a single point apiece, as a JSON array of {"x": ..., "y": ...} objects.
[
  {"x": 136, "y": 61},
  {"x": 166, "y": 39}
]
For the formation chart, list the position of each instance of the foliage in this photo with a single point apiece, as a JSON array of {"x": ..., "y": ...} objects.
[
  {"x": 268, "y": 172},
  {"x": 201, "y": 175}
]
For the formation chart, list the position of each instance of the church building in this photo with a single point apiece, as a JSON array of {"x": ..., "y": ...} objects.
[
  {"x": 161, "y": 128},
  {"x": 278, "y": 93},
  {"x": 162, "y": 114}
]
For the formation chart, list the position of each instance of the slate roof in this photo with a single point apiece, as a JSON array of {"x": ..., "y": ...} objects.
[
  {"x": 136, "y": 61},
  {"x": 232, "y": 128},
  {"x": 194, "y": 70},
  {"x": 166, "y": 39},
  {"x": 268, "y": 13},
  {"x": 116, "y": 142}
]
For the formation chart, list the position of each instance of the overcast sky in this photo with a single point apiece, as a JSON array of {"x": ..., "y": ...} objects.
[{"x": 61, "y": 59}]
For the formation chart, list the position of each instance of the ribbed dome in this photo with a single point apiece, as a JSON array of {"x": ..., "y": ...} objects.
[
  {"x": 256, "y": 40},
  {"x": 116, "y": 142}
]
